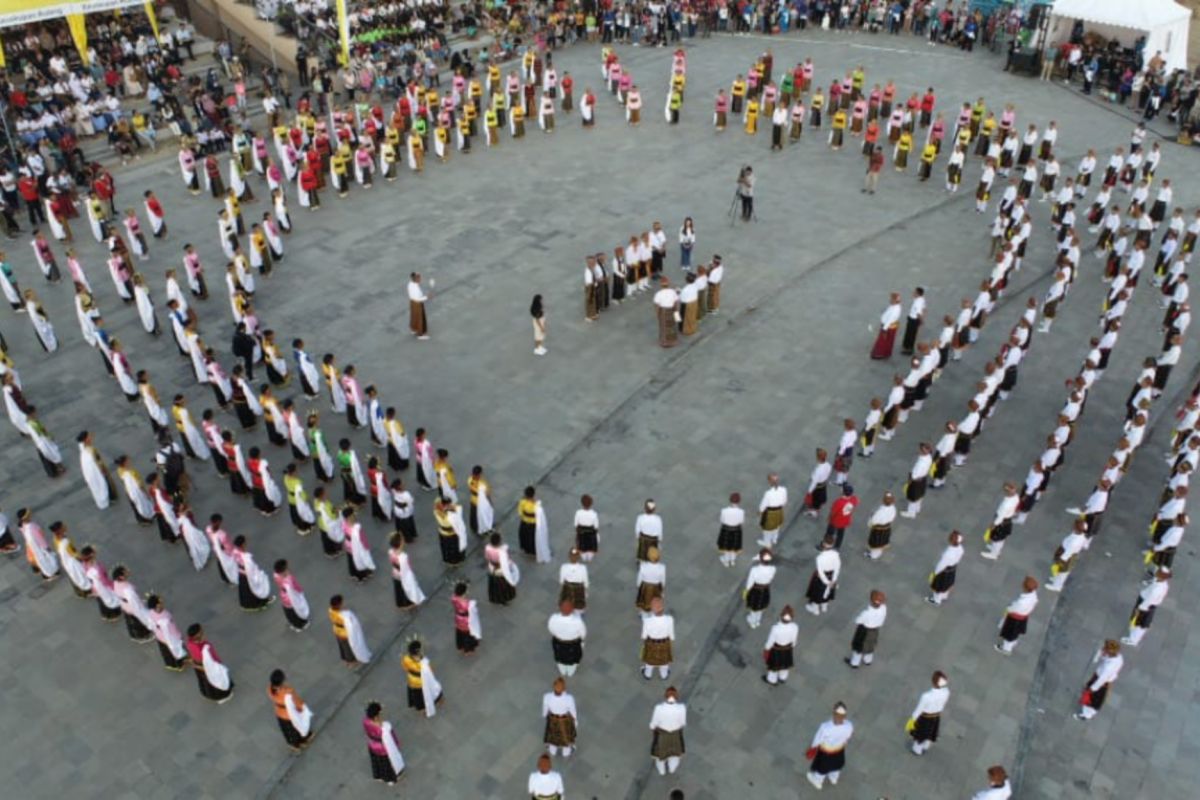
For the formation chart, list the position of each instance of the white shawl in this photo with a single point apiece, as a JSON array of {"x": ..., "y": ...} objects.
[
  {"x": 360, "y": 554},
  {"x": 94, "y": 476},
  {"x": 393, "y": 749},
  {"x": 72, "y": 566},
  {"x": 541, "y": 536},
  {"x": 216, "y": 673},
  {"x": 259, "y": 585},
  {"x": 354, "y": 634},
  {"x": 193, "y": 537},
  {"x": 431, "y": 690}
]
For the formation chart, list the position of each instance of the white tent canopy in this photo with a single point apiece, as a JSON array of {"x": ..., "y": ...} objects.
[{"x": 1164, "y": 23}]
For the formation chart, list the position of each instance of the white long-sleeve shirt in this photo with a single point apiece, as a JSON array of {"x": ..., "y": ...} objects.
[
  {"x": 783, "y": 634},
  {"x": 994, "y": 793},
  {"x": 882, "y": 516},
  {"x": 828, "y": 561},
  {"x": 1006, "y": 509},
  {"x": 567, "y": 627},
  {"x": 650, "y": 525},
  {"x": 649, "y": 572},
  {"x": 573, "y": 573},
  {"x": 921, "y": 466},
  {"x": 872, "y": 616},
  {"x": 1152, "y": 595},
  {"x": 668, "y": 717},
  {"x": 831, "y": 736},
  {"x": 949, "y": 558},
  {"x": 820, "y": 474},
  {"x": 774, "y": 497},
  {"x": 1024, "y": 605},
  {"x": 733, "y": 516},
  {"x": 416, "y": 293},
  {"x": 559, "y": 704},
  {"x": 890, "y": 316},
  {"x": 549, "y": 784},
  {"x": 932, "y": 701},
  {"x": 760, "y": 575},
  {"x": 1107, "y": 670},
  {"x": 658, "y": 626}
]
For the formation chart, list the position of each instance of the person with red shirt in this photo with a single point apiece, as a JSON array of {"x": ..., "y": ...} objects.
[
  {"x": 874, "y": 167},
  {"x": 310, "y": 184},
  {"x": 27, "y": 185},
  {"x": 841, "y": 514},
  {"x": 927, "y": 104},
  {"x": 568, "y": 85},
  {"x": 104, "y": 187}
]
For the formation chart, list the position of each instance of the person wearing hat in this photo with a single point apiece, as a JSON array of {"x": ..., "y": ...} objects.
[
  {"x": 841, "y": 515},
  {"x": 866, "y": 631},
  {"x": 666, "y": 724},
  {"x": 1149, "y": 599},
  {"x": 823, "y": 584},
  {"x": 1108, "y": 661},
  {"x": 827, "y": 753},
  {"x": 998, "y": 786},
  {"x": 658, "y": 639},
  {"x": 777, "y": 652},
  {"x": 757, "y": 593},
  {"x": 545, "y": 783},
  {"x": 1016, "y": 616},
  {"x": 567, "y": 635},
  {"x": 558, "y": 708},
  {"x": 925, "y": 719}
]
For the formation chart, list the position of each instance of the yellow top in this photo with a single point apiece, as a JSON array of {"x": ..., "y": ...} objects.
[
  {"x": 476, "y": 485},
  {"x": 739, "y": 89},
  {"x": 905, "y": 143},
  {"x": 929, "y": 153},
  {"x": 412, "y": 671},
  {"x": 528, "y": 510},
  {"x": 839, "y": 120},
  {"x": 339, "y": 624}
]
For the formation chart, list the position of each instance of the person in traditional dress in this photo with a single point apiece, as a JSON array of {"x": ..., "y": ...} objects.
[
  {"x": 822, "y": 585},
  {"x": 1150, "y": 597},
  {"x": 135, "y": 490},
  {"x": 503, "y": 574},
  {"x": 452, "y": 532},
  {"x": 254, "y": 589},
  {"x": 95, "y": 472},
  {"x": 263, "y": 488},
  {"x": 403, "y": 510},
  {"x": 39, "y": 554},
  {"x": 733, "y": 516},
  {"x": 101, "y": 585},
  {"x": 827, "y": 753},
  {"x": 133, "y": 607},
  {"x": 468, "y": 631},
  {"x": 658, "y": 639},
  {"x": 889, "y": 324},
  {"x": 418, "y": 322},
  {"x": 170, "y": 642},
  {"x": 383, "y": 746},
  {"x": 347, "y": 630},
  {"x": 221, "y": 545},
  {"x": 424, "y": 457},
  {"x": 1108, "y": 661},
  {"x": 925, "y": 720},
  {"x": 866, "y": 631},
  {"x": 1016, "y": 617},
  {"x": 69, "y": 560},
  {"x": 398, "y": 452},
  {"x": 818, "y": 484},
  {"x": 354, "y": 482},
  {"x": 666, "y": 726},
  {"x": 424, "y": 690},
  {"x": 295, "y": 718},
  {"x": 47, "y": 449},
  {"x": 534, "y": 532},
  {"x": 757, "y": 591},
  {"x": 778, "y": 650},
  {"x": 562, "y": 719},
  {"x": 38, "y": 318},
  {"x": 291, "y": 596},
  {"x": 407, "y": 591},
  {"x": 212, "y": 675},
  {"x": 359, "y": 561}
]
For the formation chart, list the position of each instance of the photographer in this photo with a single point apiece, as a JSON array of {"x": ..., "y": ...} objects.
[{"x": 745, "y": 192}]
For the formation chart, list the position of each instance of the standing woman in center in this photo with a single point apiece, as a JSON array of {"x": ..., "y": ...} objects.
[
  {"x": 538, "y": 313},
  {"x": 687, "y": 240},
  {"x": 620, "y": 275}
]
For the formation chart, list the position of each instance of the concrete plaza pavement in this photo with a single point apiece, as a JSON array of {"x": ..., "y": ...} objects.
[{"x": 609, "y": 413}]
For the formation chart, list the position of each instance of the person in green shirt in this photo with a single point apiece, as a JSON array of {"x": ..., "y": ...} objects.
[{"x": 674, "y": 103}]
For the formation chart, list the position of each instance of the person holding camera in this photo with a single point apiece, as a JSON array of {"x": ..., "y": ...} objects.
[{"x": 745, "y": 192}]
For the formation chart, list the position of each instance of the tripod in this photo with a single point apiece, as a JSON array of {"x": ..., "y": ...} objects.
[{"x": 734, "y": 206}]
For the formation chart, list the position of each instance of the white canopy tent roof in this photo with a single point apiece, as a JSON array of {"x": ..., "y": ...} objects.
[{"x": 1164, "y": 23}]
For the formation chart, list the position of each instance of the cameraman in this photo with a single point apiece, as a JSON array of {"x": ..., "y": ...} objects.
[{"x": 745, "y": 191}]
